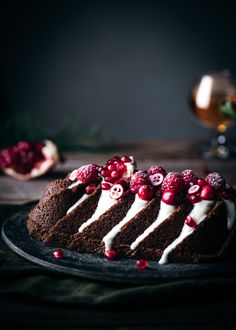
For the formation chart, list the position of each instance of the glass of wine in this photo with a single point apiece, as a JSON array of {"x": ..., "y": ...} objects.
[{"x": 211, "y": 96}]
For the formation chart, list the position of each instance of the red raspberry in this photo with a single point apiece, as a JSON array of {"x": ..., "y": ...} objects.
[
  {"x": 189, "y": 177},
  {"x": 216, "y": 181},
  {"x": 88, "y": 173},
  {"x": 156, "y": 169},
  {"x": 173, "y": 182},
  {"x": 138, "y": 179}
]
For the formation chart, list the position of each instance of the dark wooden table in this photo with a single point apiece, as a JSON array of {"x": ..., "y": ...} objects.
[{"x": 174, "y": 156}]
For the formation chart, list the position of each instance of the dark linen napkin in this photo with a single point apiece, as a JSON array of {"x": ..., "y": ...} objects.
[{"x": 21, "y": 277}]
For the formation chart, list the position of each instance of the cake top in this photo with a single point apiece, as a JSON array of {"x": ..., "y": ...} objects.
[{"x": 120, "y": 174}]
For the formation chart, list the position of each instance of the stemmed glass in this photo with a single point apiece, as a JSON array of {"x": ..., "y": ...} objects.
[{"x": 213, "y": 101}]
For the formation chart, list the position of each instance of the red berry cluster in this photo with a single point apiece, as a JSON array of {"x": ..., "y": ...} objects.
[
  {"x": 201, "y": 191},
  {"x": 173, "y": 188},
  {"x": 147, "y": 182},
  {"x": 22, "y": 157},
  {"x": 86, "y": 174},
  {"x": 113, "y": 172}
]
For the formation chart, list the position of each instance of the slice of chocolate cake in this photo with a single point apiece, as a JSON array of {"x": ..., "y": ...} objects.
[
  {"x": 90, "y": 238},
  {"x": 68, "y": 225},
  {"x": 160, "y": 233},
  {"x": 122, "y": 235},
  {"x": 58, "y": 198},
  {"x": 51, "y": 208},
  {"x": 205, "y": 240}
]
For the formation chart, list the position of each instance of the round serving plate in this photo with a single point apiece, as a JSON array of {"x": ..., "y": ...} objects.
[{"x": 91, "y": 266}]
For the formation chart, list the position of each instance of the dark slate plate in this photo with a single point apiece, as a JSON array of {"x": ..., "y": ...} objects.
[{"x": 15, "y": 235}]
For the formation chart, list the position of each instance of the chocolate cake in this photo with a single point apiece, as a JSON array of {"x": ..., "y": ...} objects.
[{"x": 117, "y": 210}]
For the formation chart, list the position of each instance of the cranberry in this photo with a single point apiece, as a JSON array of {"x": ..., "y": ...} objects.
[
  {"x": 116, "y": 191},
  {"x": 123, "y": 183},
  {"x": 171, "y": 198},
  {"x": 156, "y": 179},
  {"x": 156, "y": 169},
  {"x": 195, "y": 198},
  {"x": 190, "y": 222},
  {"x": 110, "y": 254},
  {"x": 90, "y": 189},
  {"x": 58, "y": 254},
  {"x": 207, "y": 192},
  {"x": 146, "y": 192},
  {"x": 142, "y": 264},
  {"x": 194, "y": 189},
  {"x": 106, "y": 186},
  {"x": 201, "y": 182}
]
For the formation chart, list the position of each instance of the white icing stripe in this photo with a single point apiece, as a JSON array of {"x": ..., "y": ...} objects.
[
  {"x": 164, "y": 213},
  {"x": 77, "y": 203},
  {"x": 198, "y": 213},
  {"x": 231, "y": 214},
  {"x": 105, "y": 203},
  {"x": 135, "y": 208},
  {"x": 74, "y": 184}
]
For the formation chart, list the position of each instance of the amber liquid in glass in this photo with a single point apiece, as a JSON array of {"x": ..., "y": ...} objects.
[{"x": 211, "y": 115}]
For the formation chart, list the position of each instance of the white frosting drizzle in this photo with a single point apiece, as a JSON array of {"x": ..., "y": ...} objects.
[
  {"x": 198, "y": 213},
  {"x": 231, "y": 214},
  {"x": 129, "y": 170},
  {"x": 135, "y": 208},
  {"x": 105, "y": 202},
  {"x": 74, "y": 184},
  {"x": 82, "y": 198},
  {"x": 164, "y": 213}
]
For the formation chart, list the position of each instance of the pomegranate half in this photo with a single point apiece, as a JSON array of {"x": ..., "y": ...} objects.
[{"x": 27, "y": 160}]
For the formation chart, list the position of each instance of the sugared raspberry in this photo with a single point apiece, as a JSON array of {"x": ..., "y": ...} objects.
[
  {"x": 173, "y": 182},
  {"x": 216, "y": 181},
  {"x": 138, "y": 179},
  {"x": 156, "y": 169},
  {"x": 189, "y": 177},
  {"x": 88, "y": 173}
]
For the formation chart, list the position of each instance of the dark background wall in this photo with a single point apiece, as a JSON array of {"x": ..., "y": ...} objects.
[{"x": 125, "y": 67}]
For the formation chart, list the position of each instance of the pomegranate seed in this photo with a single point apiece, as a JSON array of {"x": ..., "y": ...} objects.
[
  {"x": 195, "y": 198},
  {"x": 112, "y": 167},
  {"x": 120, "y": 166},
  {"x": 190, "y": 222},
  {"x": 106, "y": 186},
  {"x": 115, "y": 174},
  {"x": 123, "y": 183},
  {"x": 90, "y": 189},
  {"x": 116, "y": 158},
  {"x": 207, "y": 192},
  {"x": 105, "y": 173},
  {"x": 142, "y": 264},
  {"x": 58, "y": 254},
  {"x": 126, "y": 159},
  {"x": 201, "y": 182},
  {"x": 146, "y": 192},
  {"x": 170, "y": 198},
  {"x": 116, "y": 191},
  {"x": 110, "y": 254},
  {"x": 73, "y": 175},
  {"x": 156, "y": 179},
  {"x": 110, "y": 179},
  {"x": 194, "y": 189}
]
